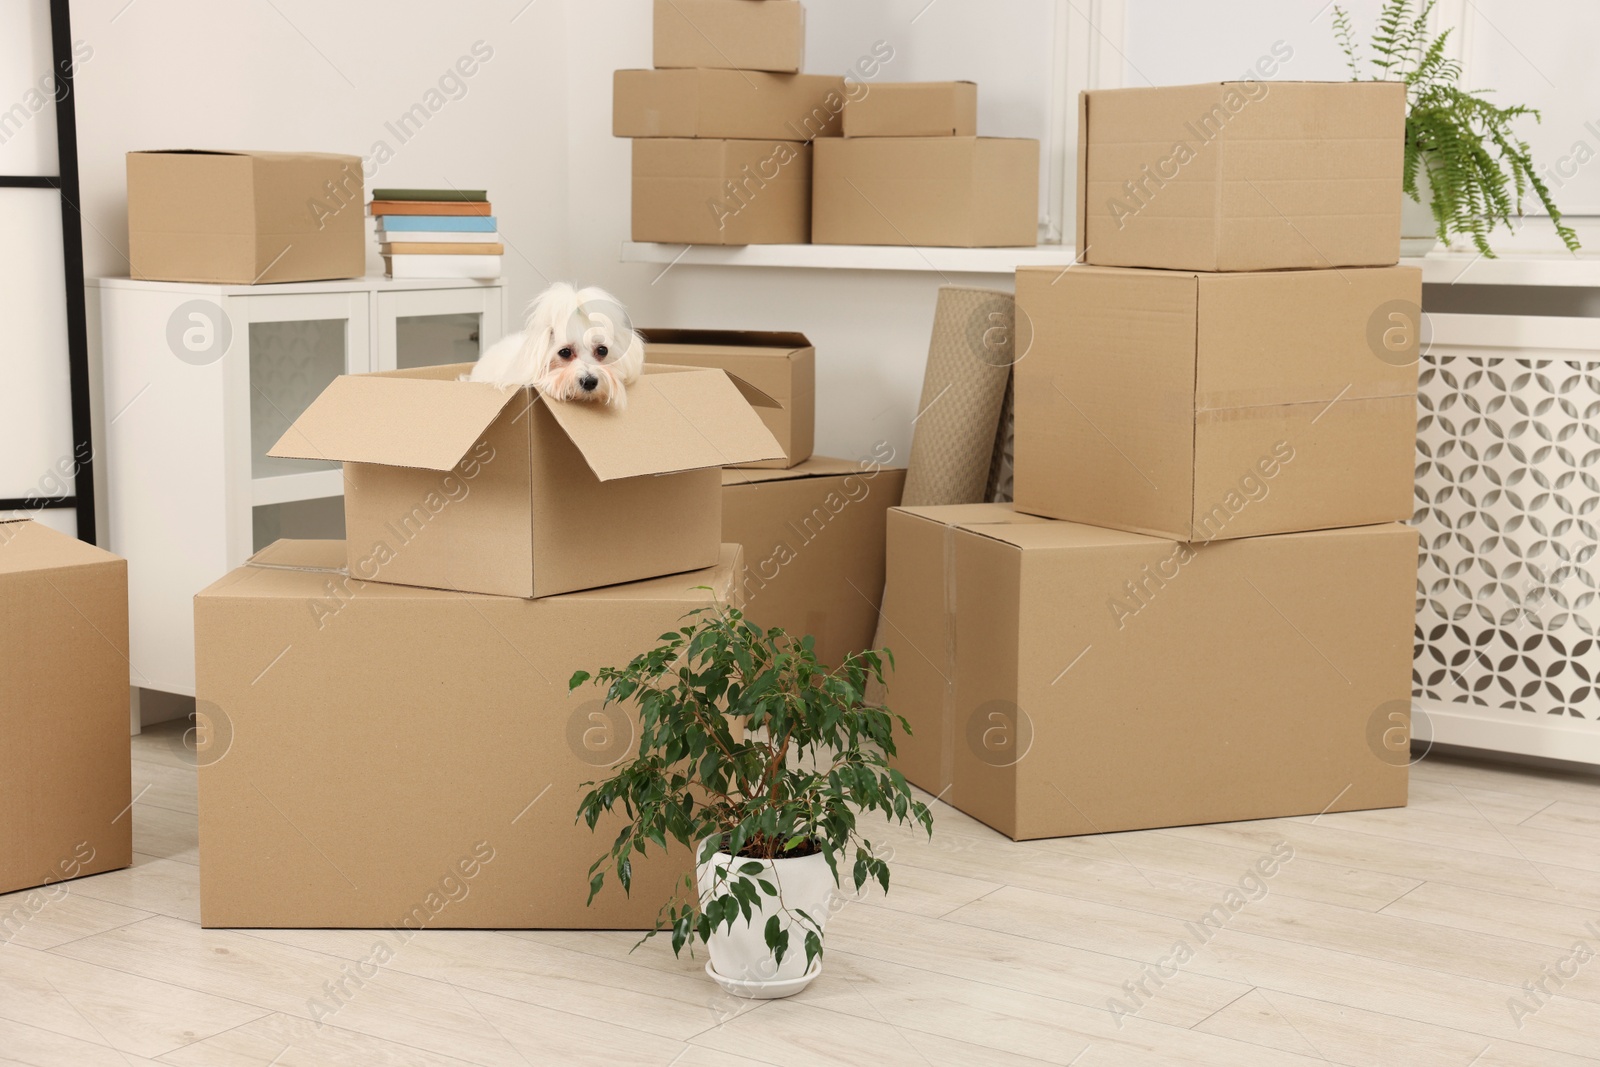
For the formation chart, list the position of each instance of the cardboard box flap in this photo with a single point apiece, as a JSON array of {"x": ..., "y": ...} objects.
[
  {"x": 26, "y": 545},
  {"x": 395, "y": 421},
  {"x": 677, "y": 419},
  {"x": 815, "y": 467}
]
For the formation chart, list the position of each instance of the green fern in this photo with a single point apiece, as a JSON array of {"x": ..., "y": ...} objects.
[{"x": 1479, "y": 169}]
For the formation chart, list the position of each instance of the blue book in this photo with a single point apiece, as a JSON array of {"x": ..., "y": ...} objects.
[{"x": 438, "y": 223}]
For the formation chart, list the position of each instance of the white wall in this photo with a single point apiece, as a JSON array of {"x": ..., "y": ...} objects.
[
  {"x": 318, "y": 76},
  {"x": 534, "y": 128}
]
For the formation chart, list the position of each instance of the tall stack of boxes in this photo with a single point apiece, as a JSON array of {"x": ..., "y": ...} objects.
[
  {"x": 388, "y": 739},
  {"x": 1199, "y": 608},
  {"x": 724, "y": 123}
]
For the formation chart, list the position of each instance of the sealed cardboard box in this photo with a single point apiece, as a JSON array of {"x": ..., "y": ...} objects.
[
  {"x": 1241, "y": 175},
  {"x": 463, "y": 486},
  {"x": 717, "y": 192},
  {"x": 913, "y": 109},
  {"x": 767, "y": 35},
  {"x": 64, "y": 792},
  {"x": 387, "y": 757},
  {"x": 245, "y": 217},
  {"x": 813, "y": 544},
  {"x": 1063, "y": 679},
  {"x": 1199, "y": 406},
  {"x": 781, "y": 365},
  {"x": 961, "y": 192},
  {"x": 726, "y": 103}
]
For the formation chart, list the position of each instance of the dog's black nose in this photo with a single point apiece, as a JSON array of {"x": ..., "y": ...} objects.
[{"x": 589, "y": 383}]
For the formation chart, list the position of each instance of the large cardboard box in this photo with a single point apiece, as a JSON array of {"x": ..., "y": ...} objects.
[
  {"x": 64, "y": 789},
  {"x": 913, "y": 109},
  {"x": 1063, "y": 679},
  {"x": 726, "y": 103},
  {"x": 813, "y": 544},
  {"x": 962, "y": 192},
  {"x": 721, "y": 192},
  {"x": 782, "y": 365},
  {"x": 386, "y": 757},
  {"x": 731, "y": 34},
  {"x": 1199, "y": 406},
  {"x": 463, "y": 486},
  {"x": 1241, "y": 175},
  {"x": 245, "y": 217}
]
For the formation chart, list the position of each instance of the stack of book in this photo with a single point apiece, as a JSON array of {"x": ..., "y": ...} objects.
[{"x": 437, "y": 233}]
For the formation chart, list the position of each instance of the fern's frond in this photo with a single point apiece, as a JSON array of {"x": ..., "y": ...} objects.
[
  {"x": 1480, "y": 171},
  {"x": 1344, "y": 32}
]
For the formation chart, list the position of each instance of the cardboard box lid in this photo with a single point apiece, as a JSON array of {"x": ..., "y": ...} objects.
[
  {"x": 26, "y": 545},
  {"x": 677, "y": 419},
  {"x": 786, "y": 343}
]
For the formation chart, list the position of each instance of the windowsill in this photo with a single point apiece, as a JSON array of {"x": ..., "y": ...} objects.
[{"x": 1438, "y": 268}]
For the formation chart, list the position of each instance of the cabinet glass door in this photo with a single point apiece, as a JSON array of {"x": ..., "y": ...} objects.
[
  {"x": 435, "y": 327},
  {"x": 297, "y": 344}
]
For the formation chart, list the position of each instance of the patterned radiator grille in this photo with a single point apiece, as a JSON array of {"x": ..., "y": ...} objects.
[{"x": 1508, "y": 487}]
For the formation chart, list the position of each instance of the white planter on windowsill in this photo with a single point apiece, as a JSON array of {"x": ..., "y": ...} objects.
[{"x": 1419, "y": 235}]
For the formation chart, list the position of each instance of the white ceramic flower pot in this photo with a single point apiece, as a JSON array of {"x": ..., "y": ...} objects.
[
  {"x": 1418, "y": 235},
  {"x": 740, "y": 960}
]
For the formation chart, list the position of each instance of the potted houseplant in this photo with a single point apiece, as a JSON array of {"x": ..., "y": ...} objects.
[
  {"x": 760, "y": 760},
  {"x": 1466, "y": 171}
]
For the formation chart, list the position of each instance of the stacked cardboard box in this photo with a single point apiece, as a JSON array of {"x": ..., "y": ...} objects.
[
  {"x": 911, "y": 170},
  {"x": 244, "y": 218},
  {"x": 1200, "y": 606},
  {"x": 389, "y": 739},
  {"x": 723, "y": 125},
  {"x": 437, "y": 233},
  {"x": 64, "y": 795}
]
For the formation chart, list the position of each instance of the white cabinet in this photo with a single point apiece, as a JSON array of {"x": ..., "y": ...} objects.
[{"x": 198, "y": 383}]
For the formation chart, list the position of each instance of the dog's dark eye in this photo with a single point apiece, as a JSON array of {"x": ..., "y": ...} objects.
[
  {"x": 565, "y": 353},
  {"x": 601, "y": 352}
]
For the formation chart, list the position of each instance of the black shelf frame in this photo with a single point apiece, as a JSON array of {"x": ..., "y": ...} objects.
[{"x": 65, "y": 183}]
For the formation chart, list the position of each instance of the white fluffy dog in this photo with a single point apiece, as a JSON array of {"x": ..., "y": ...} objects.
[{"x": 577, "y": 345}]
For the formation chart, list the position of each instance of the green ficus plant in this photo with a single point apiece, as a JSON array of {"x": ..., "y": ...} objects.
[
  {"x": 749, "y": 746},
  {"x": 1479, "y": 169}
]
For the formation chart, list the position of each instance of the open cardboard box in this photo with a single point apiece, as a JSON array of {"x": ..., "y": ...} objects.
[
  {"x": 464, "y": 486},
  {"x": 1063, "y": 679},
  {"x": 783, "y": 365},
  {"x": 64, "y": 786},
  {"x": 395, "y": 758}
]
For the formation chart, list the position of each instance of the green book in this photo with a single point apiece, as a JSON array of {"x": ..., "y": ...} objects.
[{"x": 430, "y": 194}]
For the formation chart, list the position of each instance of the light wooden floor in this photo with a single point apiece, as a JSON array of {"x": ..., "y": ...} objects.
[{"x": 1391, "y": 939}]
